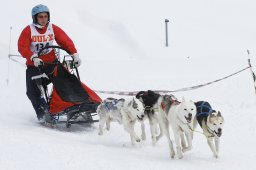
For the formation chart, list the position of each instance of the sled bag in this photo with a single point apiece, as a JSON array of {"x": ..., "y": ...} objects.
[{"x": 67, "y": 86}]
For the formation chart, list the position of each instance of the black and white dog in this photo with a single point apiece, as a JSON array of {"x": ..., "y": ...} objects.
[
  {"x": 211, "y": 122},
  {"x": 149, "y": 99}
]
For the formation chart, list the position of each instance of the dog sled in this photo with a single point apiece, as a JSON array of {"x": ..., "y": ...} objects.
[{"x": 68, "y": 100}]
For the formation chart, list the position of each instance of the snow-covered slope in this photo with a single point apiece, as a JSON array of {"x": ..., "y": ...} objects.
[{"x": 122, "y": 46}]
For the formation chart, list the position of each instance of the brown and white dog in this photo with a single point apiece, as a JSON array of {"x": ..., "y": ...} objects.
[{"x": 212, "y": 124}]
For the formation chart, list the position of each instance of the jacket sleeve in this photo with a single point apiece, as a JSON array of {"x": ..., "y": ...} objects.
[
  {"x": 63, "y": 39},
  {"x": 24, "y": 43}
]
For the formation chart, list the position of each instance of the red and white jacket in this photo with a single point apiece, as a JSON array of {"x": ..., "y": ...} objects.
[{"x": 25, "y": 41}]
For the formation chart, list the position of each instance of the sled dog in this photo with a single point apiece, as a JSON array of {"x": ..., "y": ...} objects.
[
  {"x": 123, "y": 111},
  {"x": 157, "y": 108},
  {"x": 180, "y": 117},
  {"x": 211, "y": 122},
  {"x": 149, "y": 100},
  {"x": 167, "y": 110}
]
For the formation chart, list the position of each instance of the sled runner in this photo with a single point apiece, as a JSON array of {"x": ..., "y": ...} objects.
[{"x": 68, "y": 98}]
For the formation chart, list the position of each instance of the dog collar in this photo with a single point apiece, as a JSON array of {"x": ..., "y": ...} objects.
[{"x": 210, "y": 131}]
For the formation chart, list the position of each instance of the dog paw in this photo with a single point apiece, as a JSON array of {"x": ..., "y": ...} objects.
[
  {"x": 179, "y": 153},
  {"x": 216, "y": 156},
  {"x": 157, "y": 138},
  {"x": 183, "y": 145},
  {"x": 143, "y": 137},
  {"x": 172, "y": 154},
  {"x": 180, "y": 156},
  {"x": 100, "y": 133},
  {"x": 138, "y": 140},
  {"x": 185, "y": 149}
]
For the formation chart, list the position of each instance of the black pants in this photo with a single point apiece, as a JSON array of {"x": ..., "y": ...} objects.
[{"x": 33, "y": 91}]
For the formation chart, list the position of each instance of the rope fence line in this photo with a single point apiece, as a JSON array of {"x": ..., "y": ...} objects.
[
  {"x": 205, "y": 84},
  {"x": 172, "y": 91},
  {"x": 253, "y": 75}
]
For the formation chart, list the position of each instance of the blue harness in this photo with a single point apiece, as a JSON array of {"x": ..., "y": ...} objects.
[
  {"x": 111, "y": 105},
  {"x": 203, "y": 109}
]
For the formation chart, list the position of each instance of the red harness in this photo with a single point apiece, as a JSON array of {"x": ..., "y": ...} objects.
[{"x": 173, "y": 102}]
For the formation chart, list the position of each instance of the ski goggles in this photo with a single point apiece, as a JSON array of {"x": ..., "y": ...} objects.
[{"x": 42, "y": 16}]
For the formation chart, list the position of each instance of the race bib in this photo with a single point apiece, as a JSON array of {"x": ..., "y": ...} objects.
[{"x": 39, "y": 41}]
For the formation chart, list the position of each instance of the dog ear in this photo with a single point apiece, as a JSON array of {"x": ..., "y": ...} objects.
[
  {"x": 219, "y": 114},
  {"x": 140, "y": 94},
  {"x": 122, "y": 100},
  {"x": 211, "y": 115},
  {"x": 130, "y": 103},
  {"x": 151, "y": 93},
  {"x": 165, "y": 97}
]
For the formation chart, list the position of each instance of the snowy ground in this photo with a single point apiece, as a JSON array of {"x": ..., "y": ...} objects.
[{"x": 122, "y": 48}]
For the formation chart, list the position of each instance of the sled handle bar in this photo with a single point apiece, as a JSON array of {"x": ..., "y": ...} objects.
[
  {"x": 55, "y": 46},
  {"x": 51, "y": 46}
]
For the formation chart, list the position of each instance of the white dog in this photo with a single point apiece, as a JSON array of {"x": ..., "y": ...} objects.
[
  {"x": 125, "y": 112},
  {"x": 180, "y": 117},
  {"x": 165, "y": 110},
  {"x": 211, "y": 122}
]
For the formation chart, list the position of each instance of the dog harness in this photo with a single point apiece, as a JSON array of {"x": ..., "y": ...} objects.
[
  {"x": 173, "y": 102},
  {"x": 203, "y": 109},
  {"x": 111, "y": 105}
]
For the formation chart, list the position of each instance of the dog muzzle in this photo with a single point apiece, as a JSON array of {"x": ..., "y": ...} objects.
[
  {"x": 140, "y": 118},
  {"x": 189, "y": 118},
  {"x": 218, "y": 133}
]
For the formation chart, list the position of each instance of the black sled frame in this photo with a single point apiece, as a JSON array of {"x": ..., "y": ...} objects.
[{"x": 83, "y": 113}]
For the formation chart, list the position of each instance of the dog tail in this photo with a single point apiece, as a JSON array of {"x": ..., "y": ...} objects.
[{"x": 98, "y": 109}]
